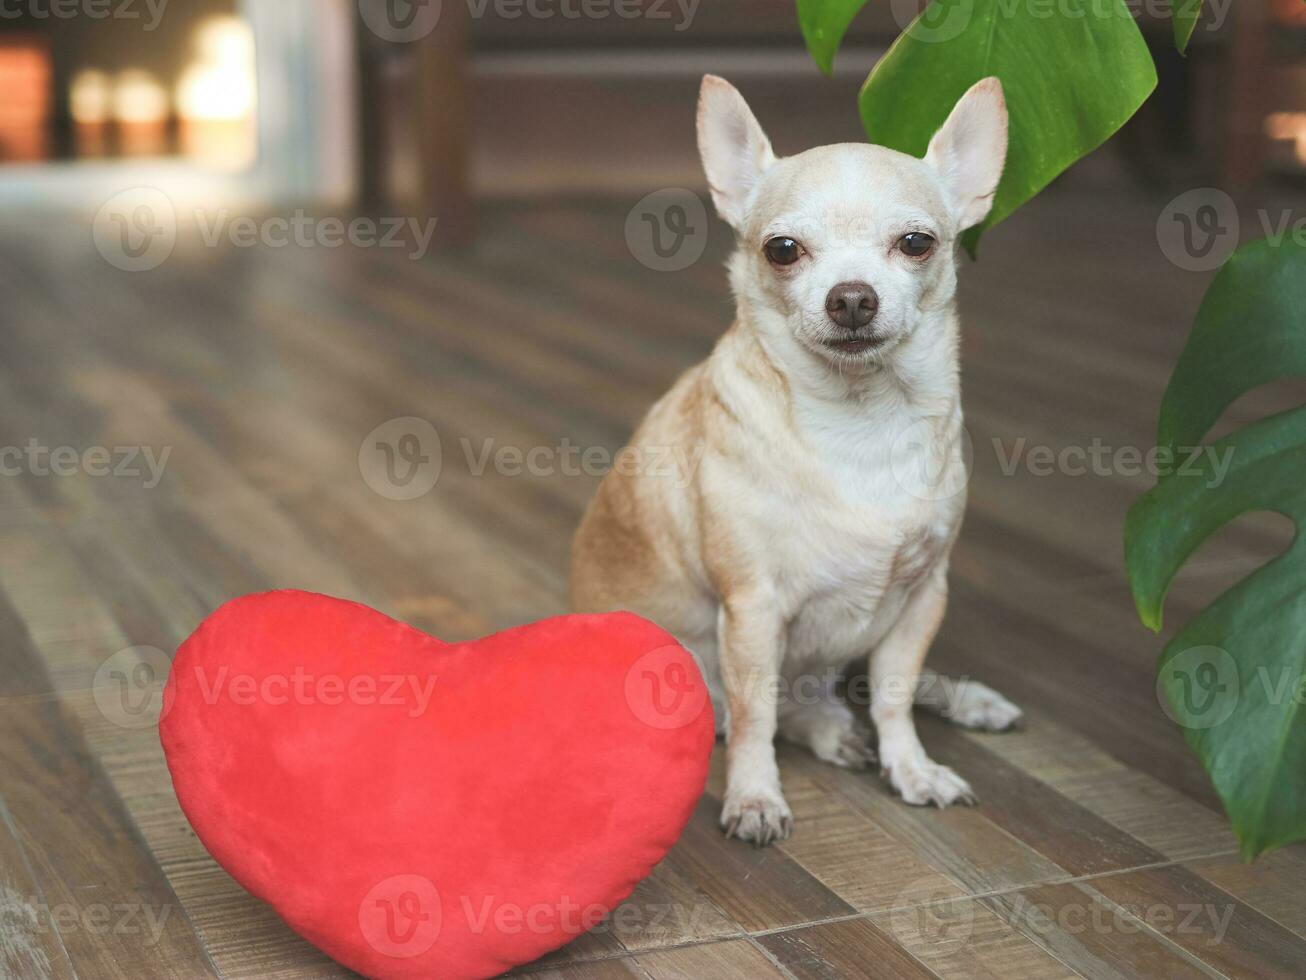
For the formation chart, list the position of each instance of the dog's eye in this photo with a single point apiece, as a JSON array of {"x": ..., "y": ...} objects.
[
  {"x": 916, "y": 244},
  {"x": 782, "y": 251}
]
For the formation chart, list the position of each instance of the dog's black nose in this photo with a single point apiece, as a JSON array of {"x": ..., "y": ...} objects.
[{"x": 852, "y": 305}]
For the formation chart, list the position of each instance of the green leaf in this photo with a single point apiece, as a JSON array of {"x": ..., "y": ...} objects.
[
  {"x": 824, "y": 23},
  {"x": 1073, "y": 74},
  {"x": 1184, "y": 15},
  {"x": 1234, "y": 675}
]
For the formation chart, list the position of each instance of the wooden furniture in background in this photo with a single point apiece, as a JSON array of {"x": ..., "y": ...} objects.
[
  {"x": 1249, "y": 95},
  {"x": 413, "y": 154},
  {"x": 605, "y": 104},
  {"x": 25, "y": 98}
]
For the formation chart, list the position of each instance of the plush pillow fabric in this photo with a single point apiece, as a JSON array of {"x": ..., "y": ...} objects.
[{"x": 421, "y": 809}]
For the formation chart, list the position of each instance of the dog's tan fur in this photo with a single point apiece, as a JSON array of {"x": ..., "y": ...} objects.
[{"x": 804, "y": 538}]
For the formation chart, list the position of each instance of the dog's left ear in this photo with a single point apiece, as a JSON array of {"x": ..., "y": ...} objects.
[{"x": 969, "y": 151}]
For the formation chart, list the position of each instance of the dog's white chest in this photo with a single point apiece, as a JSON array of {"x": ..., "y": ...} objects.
[
  {"x": 855, "y": 588},
  {"x": 857, "y": 552}
]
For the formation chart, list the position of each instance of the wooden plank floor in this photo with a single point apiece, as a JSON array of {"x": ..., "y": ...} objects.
[{"x": 1097, "y": 850}]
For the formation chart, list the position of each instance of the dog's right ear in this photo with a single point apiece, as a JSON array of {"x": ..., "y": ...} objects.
[{"x": 734, "y": 149}]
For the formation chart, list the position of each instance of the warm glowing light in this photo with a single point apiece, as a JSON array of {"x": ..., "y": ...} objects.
[
  {"x": 217, "y": 95},
  {"x": 139, "y": 98},
  {"x": 1289, "y": 126},
  {"x": 25, "y": 69},
  {"x": 203, "y": 93},
  {"x": 220, "y": 85},
  {"x": 91, "y": 97},
  {"x": 225, "y": 41}
]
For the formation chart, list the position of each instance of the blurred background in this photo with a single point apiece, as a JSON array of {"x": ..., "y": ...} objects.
[{"x": 433, "y": 105}]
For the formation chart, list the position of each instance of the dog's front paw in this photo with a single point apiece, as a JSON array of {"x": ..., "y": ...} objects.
[
  {"x": 922, "y": 782},
  {"x": 761, "y": 818}
]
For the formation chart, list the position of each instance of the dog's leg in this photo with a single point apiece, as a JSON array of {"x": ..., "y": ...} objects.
[
  {"x": 751, "y": 648},
  {"x": 823, "y": 723},
  {"x": 967, "y": 703},
  {"x": 703, "y": 648},
  {"x": 895, "y": 669}
]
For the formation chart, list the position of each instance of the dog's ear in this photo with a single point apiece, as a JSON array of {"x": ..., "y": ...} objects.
[
  {"x": 969, "y": 152},
  {"x": 734, "y": 149}
]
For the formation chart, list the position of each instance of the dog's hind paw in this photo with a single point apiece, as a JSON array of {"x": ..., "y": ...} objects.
[
  {"x": 980, "y": 707},
  {"x": 922, "y": 782},
  {"x": 850, "y": 752}
]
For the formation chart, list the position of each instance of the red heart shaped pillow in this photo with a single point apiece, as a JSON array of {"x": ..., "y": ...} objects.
[{"x": 417, "y": 809}]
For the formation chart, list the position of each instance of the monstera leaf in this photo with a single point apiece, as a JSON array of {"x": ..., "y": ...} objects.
[
  {"x": 824, "y": 23},
  {"x": 1184, "y": 15},
  {"x": 1071, "y": 80},
  {"x": 1072, "y": 77},
  {"x": 1233, "y": 676}
]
